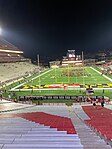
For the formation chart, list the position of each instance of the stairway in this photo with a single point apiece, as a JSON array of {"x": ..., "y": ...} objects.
[
  {"x": 88, "y": 137},
  {"x": 18, "y": 133}
]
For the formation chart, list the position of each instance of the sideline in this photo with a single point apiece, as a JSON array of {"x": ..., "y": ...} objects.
[
  {"x": 101, "y": 73},
  {"x": 61, "y": 89}
]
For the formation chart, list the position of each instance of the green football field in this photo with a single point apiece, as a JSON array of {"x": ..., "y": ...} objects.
[
  {"x": 70, "y": 75},
  {"x": 41, "y": 84}
]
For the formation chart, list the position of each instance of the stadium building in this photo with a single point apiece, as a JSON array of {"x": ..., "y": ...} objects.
[
  {"x": 13, "y": 64},
  {"x": 71, "y": 59}
]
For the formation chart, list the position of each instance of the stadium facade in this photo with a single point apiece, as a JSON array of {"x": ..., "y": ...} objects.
[{"x": 71, "y": 59}]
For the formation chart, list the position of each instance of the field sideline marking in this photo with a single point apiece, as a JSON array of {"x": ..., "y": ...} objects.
[
  {"x": 31, "y": 79},
  {"x": 102, "y": 75},
  {"x": 55, "y": 89}
]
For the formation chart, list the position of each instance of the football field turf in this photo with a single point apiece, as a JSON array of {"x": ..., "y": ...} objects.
[
  {"x": 69, "y": 76},
  {"x": 69, "y": 81}
]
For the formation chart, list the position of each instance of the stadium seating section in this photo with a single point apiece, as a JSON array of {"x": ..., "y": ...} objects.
[
  {"x": 101, "y": 120},
  {"x": 10, "y": 71},
  {"x": 61, "y": 123}
]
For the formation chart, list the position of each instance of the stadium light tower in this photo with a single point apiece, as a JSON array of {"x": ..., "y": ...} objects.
[
  {"x": 0, "y": 31},
  {"x": 83, "y": 66},
  {"x": 38, "y": 61}
]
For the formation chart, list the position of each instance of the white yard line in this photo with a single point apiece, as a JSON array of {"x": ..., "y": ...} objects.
[
  {"x": 41, "y": 74},
  {"x": 31, "y": 79},
  {"x": 101, "y": 73},
  {"x": 87, "y": 71}
]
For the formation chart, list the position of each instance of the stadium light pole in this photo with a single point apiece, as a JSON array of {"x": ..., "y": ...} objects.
[
  {"x": 38, "y": 68},
  {"x": 38, "y": 60},
  {"x": 55, "y": 73},
  {"x": 0, "y": 31},
  {"x": 83, "y": 65},
  {"x": 68, "y": 74}
]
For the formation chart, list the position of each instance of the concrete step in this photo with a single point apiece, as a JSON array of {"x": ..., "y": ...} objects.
[
  {"x": 47, "y": 139},
  {"x": 48, "y": 143},
  {"x": 96, "y": 146},
  {"x": 29, "y": 129},
  {"x": 42, "y": 148},
  {"x": 44, "y": 137},
  {"x": 48, "y": 135},
  {"x": 46, "y": 132},
  {"x": 43, "y": 145}
]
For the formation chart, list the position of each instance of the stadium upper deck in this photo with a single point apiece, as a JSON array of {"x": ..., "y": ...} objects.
[
  {"x": 12, "y": 63},
  {"x": 9, "y": 52}
]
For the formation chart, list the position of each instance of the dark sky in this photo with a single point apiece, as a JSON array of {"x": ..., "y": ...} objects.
[{"x": 51, "y": 27}]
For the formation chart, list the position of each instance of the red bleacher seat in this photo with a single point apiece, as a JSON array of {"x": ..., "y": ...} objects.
[
  {"x": 61, "y": 123},
  {"x": 101, "y": 120}
]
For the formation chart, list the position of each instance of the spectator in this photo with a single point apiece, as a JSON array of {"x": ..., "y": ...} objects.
[
  {"x": 9, "y": 96},
  {"x": 1, "y": 94},
  {"x": 91, "y": 101},
  {"x": 94, "y": 104},
  {"x": 102, "y": 102}
]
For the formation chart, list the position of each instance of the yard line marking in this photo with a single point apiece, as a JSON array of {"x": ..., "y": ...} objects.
[{"x": 101, "y": 73}]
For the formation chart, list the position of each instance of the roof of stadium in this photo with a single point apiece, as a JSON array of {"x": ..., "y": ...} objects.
[{"x": 6, "y": 46}]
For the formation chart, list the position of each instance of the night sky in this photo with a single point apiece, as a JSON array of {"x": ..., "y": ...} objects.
[{"x": 50, "y": 28}]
